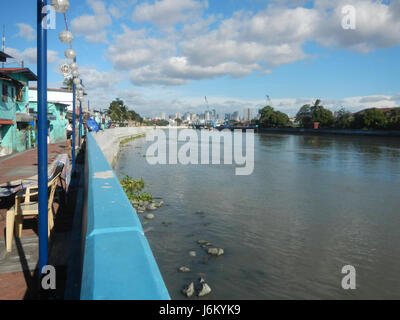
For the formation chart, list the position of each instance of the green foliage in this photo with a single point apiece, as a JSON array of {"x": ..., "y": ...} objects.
[
  {"x": 119, "y": 112},
  {"x": 269, "y": 118},
  {"x": 178, "y": 121},
  {"x": 343, "y": 119},
  {"x": 393, "y": 119},
  {"x": 68, "y": 84},
  {"x": 131, "y": 138},
  {"x": 133, "y": 189},
  {"x": 370, "y": 119},
  {"x": 308, "y": 114},
  {"x": 159, "y": 123}
]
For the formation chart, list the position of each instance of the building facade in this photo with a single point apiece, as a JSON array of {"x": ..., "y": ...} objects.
[{"x": 16, "y": 125}]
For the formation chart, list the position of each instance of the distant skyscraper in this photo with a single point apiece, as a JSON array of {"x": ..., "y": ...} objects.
[
  {"x": 164, "y": 116},
  {"x": 248, "y": 114},
  {"x": 213, "y": 114},
  {"x": 235, "y": 116}
]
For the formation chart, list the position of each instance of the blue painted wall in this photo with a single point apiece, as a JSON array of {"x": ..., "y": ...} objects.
[{"x": 118, "y": 262}]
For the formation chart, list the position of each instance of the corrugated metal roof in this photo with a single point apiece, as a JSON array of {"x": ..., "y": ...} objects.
[{"x": 25, "y": 71}]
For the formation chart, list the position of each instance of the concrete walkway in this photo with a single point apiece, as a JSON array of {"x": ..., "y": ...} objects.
[
  {"x": 24, "y": 164},
  {"x": 18, "y": 269}
]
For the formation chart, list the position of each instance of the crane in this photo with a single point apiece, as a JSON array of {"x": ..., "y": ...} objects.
[{"x": 269, "y": 101}]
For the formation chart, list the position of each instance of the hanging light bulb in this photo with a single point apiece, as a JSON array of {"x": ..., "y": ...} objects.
[
  {"x": 73, "y": 66},
  {"x": 66, "y": 36},
  {"x": 65, "y": 69},
  {"x": 75, "y": 73},
  {"x": 61, "y": 6},
  {"x": 70, "y": 54},
  {"x": 77, "y": 81}
]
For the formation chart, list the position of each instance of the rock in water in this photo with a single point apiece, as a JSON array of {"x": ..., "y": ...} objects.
[
  {"x": 215, "y": 252},
  {"x": 192, "y": 253},
  {"x": 189, "y": 290},
  {"x": 204, "y": 289},
  {"x": 151, "y": 207},
  {"x": 202, "y": 242},
  {"x": 184, "y": 269},
  {"x": 149, "y": 216}
]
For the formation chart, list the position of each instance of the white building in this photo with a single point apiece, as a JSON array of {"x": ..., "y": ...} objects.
[
  {"x": 248, "y": 114},
  {"x": 55, "y": 95}
]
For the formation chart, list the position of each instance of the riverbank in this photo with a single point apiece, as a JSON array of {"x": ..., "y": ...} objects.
[
  {"x": 110, "y": 140},
  {"x": 352, "y": 132}
]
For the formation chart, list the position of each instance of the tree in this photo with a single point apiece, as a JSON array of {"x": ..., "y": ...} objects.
[
  {"x": 308, "y": 114},
  {"x": 372, "y": 118},
  {"x": 118, "y": 112},
  {"x": 68, "y": 84},
  {"x": 178, "y": 121},
  {"x": 304, "y": 117},
  {"x": 343, "y": 119},
  {"x": 269, "y": 118},
  {"x": 393, "y": 119},
  {"x": 321, "y": 115}
]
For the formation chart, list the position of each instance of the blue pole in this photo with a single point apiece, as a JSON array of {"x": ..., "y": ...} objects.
[
  {"x": 73, "y": 126},
  {"x": 42, "y": 135},
  {"x": 80, "y": 123}
]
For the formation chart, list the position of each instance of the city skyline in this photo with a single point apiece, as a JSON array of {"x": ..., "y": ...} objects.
[{"x": 234, "y": 52}]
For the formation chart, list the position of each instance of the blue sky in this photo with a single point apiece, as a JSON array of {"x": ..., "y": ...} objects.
[{"x": 166, "y": 55}]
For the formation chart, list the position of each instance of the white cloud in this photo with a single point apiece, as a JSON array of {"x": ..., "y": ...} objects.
[
  {"x": 99, "y": 80},
  {"x": 206, "y": 47},
  {"x": 93, "y": 26},
  {"x": 168, "y": 12},
  {"x": 29, "y": 55},
  {"x": 26, "y": 31},
  {"x": 134, "y": 48}
]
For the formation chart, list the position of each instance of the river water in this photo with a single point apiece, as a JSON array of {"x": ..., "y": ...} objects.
[{"x": 312, "y": 205}]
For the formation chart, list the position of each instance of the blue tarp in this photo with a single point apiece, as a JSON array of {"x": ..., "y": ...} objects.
[{"x": 92, "y": 125}]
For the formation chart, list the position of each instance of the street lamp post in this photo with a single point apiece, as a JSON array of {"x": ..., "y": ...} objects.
[
  {"x": 73, "y": 124},
  {"x": 42, "y": 135}
]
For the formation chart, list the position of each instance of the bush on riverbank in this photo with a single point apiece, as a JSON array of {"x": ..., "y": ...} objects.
[{"x": 134, "y": 189}]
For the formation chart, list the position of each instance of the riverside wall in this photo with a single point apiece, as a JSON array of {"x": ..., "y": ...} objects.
[
  {"x": 109, "y": 140},
  {"x": 117, "y": 262}
]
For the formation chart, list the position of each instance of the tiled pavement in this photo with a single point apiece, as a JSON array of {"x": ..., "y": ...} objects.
[
  {"x": 18, "y": 279},
  {"x": 24, "y": 164}
]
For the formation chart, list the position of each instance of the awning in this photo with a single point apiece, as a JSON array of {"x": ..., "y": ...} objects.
[
  {"x": 32, "y": 116},
  {"x": 6, "y": 122},
  {"x": 23, "y": 117}
]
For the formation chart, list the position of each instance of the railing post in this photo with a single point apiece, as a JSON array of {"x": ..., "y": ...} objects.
[
  {"x": 42, "y": 134},
  {"x": 73, "y": 126},
  {"x": 80, "y": 122}
]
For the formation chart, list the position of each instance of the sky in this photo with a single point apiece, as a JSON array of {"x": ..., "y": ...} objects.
[{"x": 167, "y": 55}]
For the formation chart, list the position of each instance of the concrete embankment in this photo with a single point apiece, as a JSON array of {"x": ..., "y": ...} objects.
[
  {"x": 109, "y": 140},
  {"x": 117, "y": 260}
]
